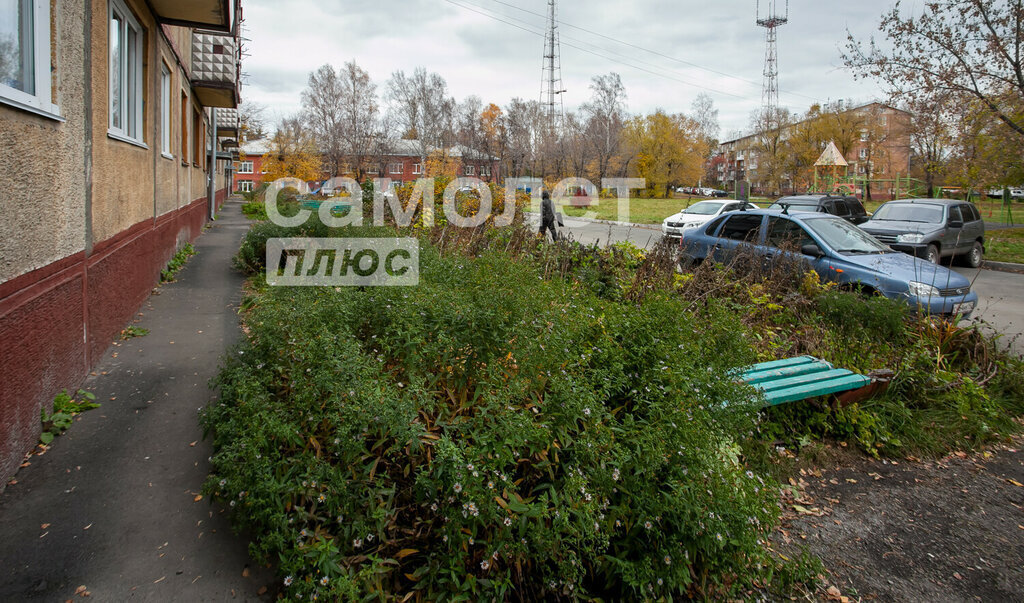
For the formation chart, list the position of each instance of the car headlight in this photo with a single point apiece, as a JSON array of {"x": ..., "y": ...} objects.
[
  {"x": 923, "y": 290},
  {"x": 910, "y": 237}
]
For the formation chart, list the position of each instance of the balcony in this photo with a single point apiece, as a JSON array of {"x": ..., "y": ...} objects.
[
  {"x": 215, "y": 67},
  {"x": 227, "y": 122},
  {"x": 207, "y": 14}
]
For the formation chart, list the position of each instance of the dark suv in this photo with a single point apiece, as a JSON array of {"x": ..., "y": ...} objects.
[
  {"x": 931, "y": 229},
  {"x": 848, "y": 208}
]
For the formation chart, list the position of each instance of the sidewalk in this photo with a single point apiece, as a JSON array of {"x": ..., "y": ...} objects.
[{"x": 111, "y": 505}]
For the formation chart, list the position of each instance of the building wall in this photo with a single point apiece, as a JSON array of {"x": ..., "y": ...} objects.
[{"x": 89, "y": 221}]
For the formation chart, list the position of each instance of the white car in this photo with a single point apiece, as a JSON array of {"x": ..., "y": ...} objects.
[{"x": 698, "y": 214}]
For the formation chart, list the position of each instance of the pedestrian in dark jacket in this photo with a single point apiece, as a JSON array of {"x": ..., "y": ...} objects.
[{"x": 547, "y": 215}]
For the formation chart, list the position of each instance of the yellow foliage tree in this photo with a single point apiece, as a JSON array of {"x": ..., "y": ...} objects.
[
  {"x": 667, "y": 148},
  {"x": 441, "y": 164},
  {"x": 293, "y": 154}
]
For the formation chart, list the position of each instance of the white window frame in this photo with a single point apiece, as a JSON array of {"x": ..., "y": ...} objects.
[
  {"x": 40, "y": 101},
  {"x": 373, "y": 170},
  {"x": 396, "y": 168},
  {"x": 128, "y": 132},
  {"x": 485, "y": 170},
  {"x": 469, "y": 170},
  {"x": 417, "y": 168},
  {"x": 863, "y": 154},
  {"x": 245, "y": 186},
  {"x": 165, "y": 111},
  {"x": 243, "y": 169}
]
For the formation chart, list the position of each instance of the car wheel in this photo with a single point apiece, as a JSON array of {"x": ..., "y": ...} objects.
[
  {"x": 932, "y": 254},
  {"x": 974, "y": 256}
]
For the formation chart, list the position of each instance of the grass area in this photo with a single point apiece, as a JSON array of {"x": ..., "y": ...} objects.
[{"x": 1005, "y": 245}]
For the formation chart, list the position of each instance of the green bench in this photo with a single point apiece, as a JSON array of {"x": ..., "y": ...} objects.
[{"x": 800, "y": 378}]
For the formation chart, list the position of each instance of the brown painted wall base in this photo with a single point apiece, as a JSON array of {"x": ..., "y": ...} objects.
[{"x": 56, "y": 322}]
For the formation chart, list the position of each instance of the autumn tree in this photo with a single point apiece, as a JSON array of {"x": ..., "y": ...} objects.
[
  {"x": 931, "y": 137},
  {"x": 292, "y": 153},
  {"x": 969, "y": 48},
  {"x": 422, "y": 107},
  {"x": 667, "y": 149},
  {"x": 768, "y": 150}
]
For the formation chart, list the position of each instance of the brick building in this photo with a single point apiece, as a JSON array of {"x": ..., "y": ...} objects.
[
  {"x": 105, "y": 121},
  {"x": 879, "y": 149}
]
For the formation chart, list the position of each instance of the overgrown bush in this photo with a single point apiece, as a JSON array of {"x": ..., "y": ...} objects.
[{"x": 489, "y": 434}]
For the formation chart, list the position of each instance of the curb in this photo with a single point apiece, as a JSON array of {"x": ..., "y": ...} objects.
[{"x": 1003, "y": 267}]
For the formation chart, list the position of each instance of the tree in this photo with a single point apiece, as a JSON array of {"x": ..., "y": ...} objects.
[
  {"x": 359, "y": 115},
  {"x": 605, "y": 114},
  {"x": 706, "y": 116},
  {"x": 973, "y": 48},
  {"x": 322, "y": 113},
  {"x": 252, "y": 120},
  {"x": 667, "y": 149},
  {"x": 421, "y": 106},
  {"x": 293, "y": 153},
  {"x": 931, "y": 136},
  {"x": 767, "y": 154}
]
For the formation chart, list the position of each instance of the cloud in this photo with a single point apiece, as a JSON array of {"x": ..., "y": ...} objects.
[{"x": 660, "y": 41}]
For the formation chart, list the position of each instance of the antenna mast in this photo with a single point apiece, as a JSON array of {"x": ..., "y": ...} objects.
[
  {"x": 770, "y": 90},
  {"x": 551, "y": 74}
]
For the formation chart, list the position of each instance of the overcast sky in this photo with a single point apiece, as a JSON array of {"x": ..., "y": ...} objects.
[{"x": 668, "y": 51}]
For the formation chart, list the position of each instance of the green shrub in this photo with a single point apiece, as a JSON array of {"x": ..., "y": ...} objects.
[
  {"x": 176, "y": 263},
  {"x": 490, "y": 435}
]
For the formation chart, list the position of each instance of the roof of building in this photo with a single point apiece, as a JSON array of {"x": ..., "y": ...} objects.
[{"x": 256, "y": 147}]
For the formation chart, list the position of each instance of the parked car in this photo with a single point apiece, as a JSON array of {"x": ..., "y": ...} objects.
[
  {"x": 844, "y": 206},
  {"x": 698, "y": 214},
  {"x": 1016, "y": 193},
  {"x": 931, "y": 229},
  {"x": 837, "y": 250}
]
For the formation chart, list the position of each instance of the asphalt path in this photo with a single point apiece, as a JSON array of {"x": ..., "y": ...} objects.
[{"x": 1000, "y": 294}]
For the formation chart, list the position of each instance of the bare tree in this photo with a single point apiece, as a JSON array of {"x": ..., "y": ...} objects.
[
  {"x": 252, "y": 118},
  {"x": 966, "y": 47},
  {"x": 931, "y": 135},
  {"x": 605, "y": 115},
  {"x": 421, "y": 105},
  {"x": 322, "y": 111},
  {"x": 706, "y": 117},
  {"x": 359, "y": 115}
]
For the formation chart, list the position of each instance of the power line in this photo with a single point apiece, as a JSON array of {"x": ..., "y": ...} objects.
[
  {"x": 598, "y": 54},
  {"x": 654, "y": 52}
]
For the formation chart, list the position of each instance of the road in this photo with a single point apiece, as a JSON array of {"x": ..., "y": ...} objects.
[{"x": 1000, "y": 294}]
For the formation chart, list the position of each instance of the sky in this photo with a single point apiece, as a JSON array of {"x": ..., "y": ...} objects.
[{"x": 666, "y": 51}]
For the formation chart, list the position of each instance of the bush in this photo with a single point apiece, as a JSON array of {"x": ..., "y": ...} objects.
[{"x": 490, "y": 435}]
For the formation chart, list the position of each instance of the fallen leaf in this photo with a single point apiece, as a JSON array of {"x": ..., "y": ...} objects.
[
  {"x": 87, "y": 527},
  {"x": 957, "y": 576},
  {"x": 80, "y": 590},
  {"x": 194, "y": 443},
  {"x": 833, "y": 592},
  {"x": 245, "y": 573},
  {"x": 198, "y": 498},
  {"x": 405, "y": 553},
  {"x": 44, "y": 526},
  {"x": 262, "y": 591},
  {"x": 160, "y": 579},
  {"x": 1016, "y": 483}
]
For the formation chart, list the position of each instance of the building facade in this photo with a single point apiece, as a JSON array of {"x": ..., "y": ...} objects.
[
  {"x": 876, "y": 146},
  {"x": 105, "y": 121}
]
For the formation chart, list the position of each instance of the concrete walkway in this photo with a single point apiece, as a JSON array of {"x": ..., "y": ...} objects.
[{"x": 111, "y": 505}]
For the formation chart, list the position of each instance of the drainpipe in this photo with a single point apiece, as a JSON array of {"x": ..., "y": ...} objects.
[{"x": 212, "y": 166}]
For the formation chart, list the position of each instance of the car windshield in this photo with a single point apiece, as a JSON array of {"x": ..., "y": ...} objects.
[
  {"x": 845, "y": 237},
  {"x": 909, "y": 212},
  {"x": 704, "y": 208}
]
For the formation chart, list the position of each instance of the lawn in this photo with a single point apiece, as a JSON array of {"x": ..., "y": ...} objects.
[{"x": 1005, "y": 245}]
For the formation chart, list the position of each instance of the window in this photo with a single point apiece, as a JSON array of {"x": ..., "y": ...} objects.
[
  {"x": 197, "y": 137},
  {"x": 469, "y": 170},
  {"x": 786, "y": 233},
  {"x": 417, "y": 168},
  {"x": 863, "y": 154},
  {"x": 954, "y": 214},
  {"x": 25, "y": 68},
  {"x": 245, "y": 186},
  {"x": 246, "y": 168},
  {"x": 395, "y": 168},
  {"x": 125, "y": 63},
  {"x": 184, "y": 127},
  {"x": 741, "y": 227},
  {"x": 373, "y": 170},
  {"x": 884, "y": 120},
  {"x": 165, "y": 111},
  {"x": 485, "y": 170},
  {"x": 863, "y": 135}
]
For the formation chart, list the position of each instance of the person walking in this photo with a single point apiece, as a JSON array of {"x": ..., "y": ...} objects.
[{"x": 547, "y": 215}]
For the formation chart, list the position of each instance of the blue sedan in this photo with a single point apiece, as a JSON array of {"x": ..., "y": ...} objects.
[{"x": 838, "y": 251}]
